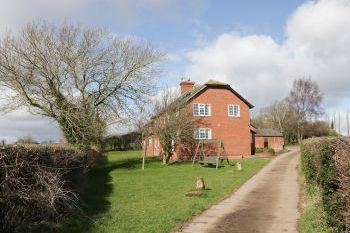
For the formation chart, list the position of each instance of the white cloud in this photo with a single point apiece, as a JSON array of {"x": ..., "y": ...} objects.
[{"x": 317, "y": 45}]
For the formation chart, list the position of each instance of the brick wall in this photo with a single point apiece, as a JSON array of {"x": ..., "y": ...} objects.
[
  {"x": 273, "y": 142},
  {"x": 234, "y": 131},
  {"x": 153, "y": 146}
]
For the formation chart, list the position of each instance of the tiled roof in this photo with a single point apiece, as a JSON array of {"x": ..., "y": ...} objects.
[
  {"x": 268, "y": 133},
  {"x": 215, "y": 82},
  {"x": 188, "y": 95}
]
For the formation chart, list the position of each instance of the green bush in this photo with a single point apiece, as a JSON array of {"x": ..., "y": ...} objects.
[
  {"x": 36, "y": 184},
  {"x": 271, "y": 151},
  {"x": 265, "y": 150},
  {"x": 259, "y": 150},
  {"x": 325, "y": 162}
]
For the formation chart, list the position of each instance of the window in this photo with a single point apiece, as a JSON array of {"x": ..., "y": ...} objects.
[
  {"x": 201, "y": 110},
  {"x": 202, "y": 133},
  {"x": 234, "y": 110}
]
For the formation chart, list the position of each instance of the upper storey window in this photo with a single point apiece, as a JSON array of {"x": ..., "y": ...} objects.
[
  {"x": 234, "y": 110},
  {"x": 201, "y": 110}
]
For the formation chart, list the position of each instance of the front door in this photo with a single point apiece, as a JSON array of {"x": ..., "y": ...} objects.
[
  {"x": 252, "y": 142},
  {"x": 266, "y": 142}
]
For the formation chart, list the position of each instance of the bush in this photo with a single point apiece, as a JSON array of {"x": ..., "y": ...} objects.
[
  {"x": 271, "y": 151},
  {"x": 129, "y": 141},
  {"x": 265, "y": 150},
  {"x": 326, "y": 163},
  {"x": 36, "y": 182}
]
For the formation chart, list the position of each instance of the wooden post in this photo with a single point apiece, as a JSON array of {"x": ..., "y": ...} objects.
[
  {"x": 144, "y": 145},
  {"x": 218, "y": 154},
  {"x": 195, "y": 155}
]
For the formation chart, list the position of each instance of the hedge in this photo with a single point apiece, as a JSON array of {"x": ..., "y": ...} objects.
[
  {"x": 326, "y": 163},
  {"x": 36, "y": 184}
]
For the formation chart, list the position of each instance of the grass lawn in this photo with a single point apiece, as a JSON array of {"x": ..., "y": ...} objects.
[{"x": 120, "y": 197}]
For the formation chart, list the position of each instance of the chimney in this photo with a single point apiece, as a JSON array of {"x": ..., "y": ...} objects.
[{"x": 186, "y": 85}]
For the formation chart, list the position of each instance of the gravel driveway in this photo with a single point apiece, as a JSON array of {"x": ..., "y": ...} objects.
[{"x": 268, "y": 202}]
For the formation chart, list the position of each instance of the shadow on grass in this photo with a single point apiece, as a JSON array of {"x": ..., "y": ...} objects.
[{"x": 94, "y": 190}]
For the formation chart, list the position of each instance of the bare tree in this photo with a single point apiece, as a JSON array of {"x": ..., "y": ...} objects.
[
  {"x": 82, "y": 78},
  {"x": 173, "y": 123},
  {"x": 305, "y": 98},
  {"x": 273, "y": 116},
  {"x": 140, "y": 122},
  {"x": 278, "y": 116}
]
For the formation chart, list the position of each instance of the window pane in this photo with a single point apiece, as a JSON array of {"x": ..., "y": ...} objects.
[
  {"x": 209, "y": 133},
  {"x": 201, "y": 109},
  {"x": 195, "y": 109},
  {"x": 236, "y": 113},
  {"x": 202, "y": 134},
  {"x": 233, "y": 110}
]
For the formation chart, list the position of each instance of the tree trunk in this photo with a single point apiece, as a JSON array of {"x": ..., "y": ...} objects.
[
  {"x": 164, "y": 158},
  {"x": 299, "y": 133},
  {"x": 82, "y": 131}
]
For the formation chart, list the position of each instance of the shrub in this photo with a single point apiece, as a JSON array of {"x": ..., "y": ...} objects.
[
  {"x": 259, "y": 150},
  {"x": 265, "y": 150},
  {"x": 35, "y": 184},
  {"x": 271, "y": 151},
  {"x": 326, "y": 163}
]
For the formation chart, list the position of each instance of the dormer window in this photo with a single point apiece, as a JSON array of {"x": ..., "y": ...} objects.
[
  {"x": 234, "y": 110},
  {"x": 201, "y": 109}
]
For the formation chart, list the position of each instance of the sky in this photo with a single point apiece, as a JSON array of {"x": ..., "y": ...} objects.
[{"x": 258, "y": 47}]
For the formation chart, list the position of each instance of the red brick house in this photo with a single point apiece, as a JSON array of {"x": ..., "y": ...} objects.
[
  {"x": 269, "y": 138},
  {"x": 225, "y": 115}
]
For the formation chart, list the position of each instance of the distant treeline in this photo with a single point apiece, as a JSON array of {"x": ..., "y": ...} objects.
[{"x": 130, "y": 141}]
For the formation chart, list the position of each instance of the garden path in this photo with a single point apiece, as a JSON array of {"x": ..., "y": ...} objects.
[{"x": 268, "y": 202}]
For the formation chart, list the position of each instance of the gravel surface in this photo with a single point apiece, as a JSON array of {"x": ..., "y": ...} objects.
[{"x": 268, "y": 202}]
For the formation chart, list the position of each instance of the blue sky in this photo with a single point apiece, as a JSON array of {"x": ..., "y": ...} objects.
[
  {"x": 258, "y": 47},
  {"x": 213, "y": 18},
  {"x": 193, "y": 28}
]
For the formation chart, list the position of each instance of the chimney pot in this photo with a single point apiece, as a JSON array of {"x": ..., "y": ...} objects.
[{"x": 186, "y": 85}]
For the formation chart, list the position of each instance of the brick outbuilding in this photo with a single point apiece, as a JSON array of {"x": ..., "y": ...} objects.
[
  {"x": 224, "y": 113},
  {"x": 269, "y": 138}
]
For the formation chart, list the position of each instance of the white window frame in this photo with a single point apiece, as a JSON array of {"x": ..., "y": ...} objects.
[
  {"x": 200, "y": 109},
  {"x": 233, "y": 106},
  {"x": 202, "y": 133}
]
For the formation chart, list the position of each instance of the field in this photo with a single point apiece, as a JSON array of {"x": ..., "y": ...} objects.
[{"x": 120, "y": 197}]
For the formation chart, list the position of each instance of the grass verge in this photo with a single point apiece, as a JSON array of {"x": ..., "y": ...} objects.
[
  {"x": 312, "y": 218},
  {"x": 120, "y": 197}
]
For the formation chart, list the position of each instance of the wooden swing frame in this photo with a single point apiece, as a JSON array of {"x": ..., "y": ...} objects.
[{"x": 219, "y": 158}]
